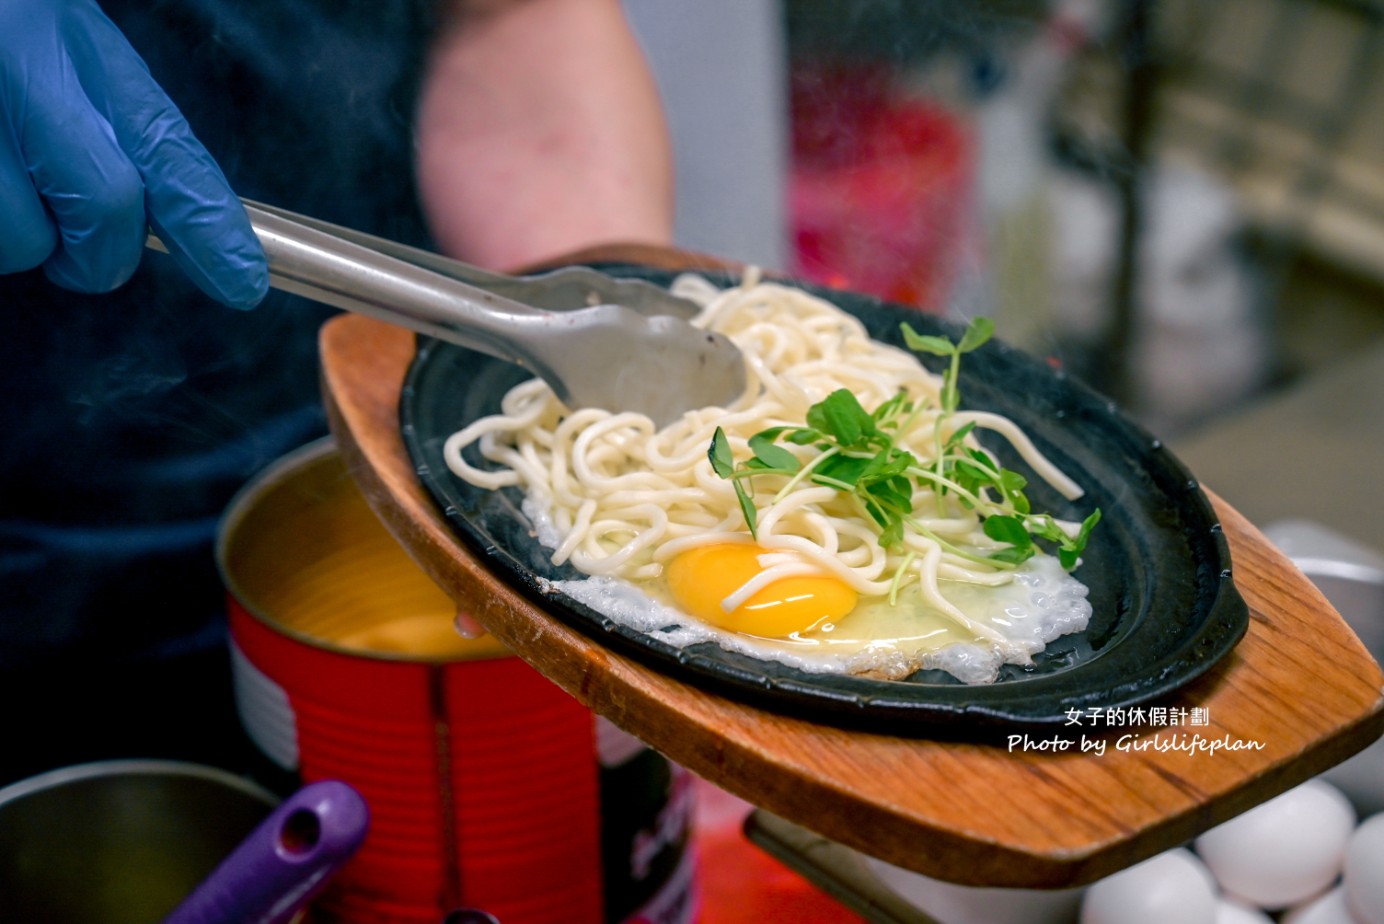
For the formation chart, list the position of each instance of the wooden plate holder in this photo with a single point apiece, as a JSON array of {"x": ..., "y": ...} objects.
[{"x": 1297, "y": 695}]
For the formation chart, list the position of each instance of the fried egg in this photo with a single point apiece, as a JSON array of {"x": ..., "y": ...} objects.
[
  {"x": 816, "y": 623},
  {"x": 707, "y": 582}
]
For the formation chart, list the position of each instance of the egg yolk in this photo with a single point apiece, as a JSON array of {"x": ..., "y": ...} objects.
[{"x": 701, "y": 578}]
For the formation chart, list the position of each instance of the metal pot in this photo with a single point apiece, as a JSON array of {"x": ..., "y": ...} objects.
[
  {"x": 1351, "y": 576},
  {"x": 119, "y": 841}
]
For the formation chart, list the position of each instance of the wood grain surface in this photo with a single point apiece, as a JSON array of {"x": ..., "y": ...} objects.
[{"x": 1297, "y": 695}]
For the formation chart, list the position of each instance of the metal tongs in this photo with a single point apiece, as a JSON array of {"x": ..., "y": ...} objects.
[{"x": 598, "y": 341}]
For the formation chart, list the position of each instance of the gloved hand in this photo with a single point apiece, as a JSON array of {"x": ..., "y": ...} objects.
[{"x": 92, "y": 153}]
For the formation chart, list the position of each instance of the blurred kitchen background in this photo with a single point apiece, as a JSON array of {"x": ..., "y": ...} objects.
[{"x": 1180, "y": 201}]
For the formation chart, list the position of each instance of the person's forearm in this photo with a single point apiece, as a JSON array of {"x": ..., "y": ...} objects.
[{"x": 540, "y": 132}]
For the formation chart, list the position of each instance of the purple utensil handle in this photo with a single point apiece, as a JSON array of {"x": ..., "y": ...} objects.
[{"x": 283, "y": 862}]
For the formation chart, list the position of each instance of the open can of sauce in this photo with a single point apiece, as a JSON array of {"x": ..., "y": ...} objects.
[{"x": 489, "y": 787}]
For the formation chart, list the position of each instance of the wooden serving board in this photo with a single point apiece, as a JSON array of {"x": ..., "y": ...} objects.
[{"x": 1298, "y": 694}]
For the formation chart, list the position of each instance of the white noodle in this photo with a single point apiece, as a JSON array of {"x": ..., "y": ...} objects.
[{"x": 626, "y": 498}]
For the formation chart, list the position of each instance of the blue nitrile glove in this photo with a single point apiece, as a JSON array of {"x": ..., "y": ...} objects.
[{"x": 92, "y": 153}]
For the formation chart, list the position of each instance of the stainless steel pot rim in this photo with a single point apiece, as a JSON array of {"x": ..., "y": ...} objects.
[
  {"x": 131, "y": 767},
  {"x": 1336, "y": 568}
]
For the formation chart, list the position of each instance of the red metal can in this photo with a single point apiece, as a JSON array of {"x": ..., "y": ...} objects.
[{"x": 489, "y": 787}]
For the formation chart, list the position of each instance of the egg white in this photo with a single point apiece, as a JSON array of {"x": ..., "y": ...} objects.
[{"x": 1042, "y": 602}]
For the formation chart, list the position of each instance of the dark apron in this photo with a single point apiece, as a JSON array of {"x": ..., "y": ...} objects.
[{"x": 130, "y": 419}]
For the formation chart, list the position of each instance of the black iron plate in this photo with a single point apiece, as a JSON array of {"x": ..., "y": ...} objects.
[{"x": 1158, "y": 566}]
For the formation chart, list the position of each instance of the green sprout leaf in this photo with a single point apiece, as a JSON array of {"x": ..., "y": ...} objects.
[
  {"x": 892, "y": 534},
  {"x": 747, "y": 508},
  {"x": 723, "y": 464},
  {"x": 955, "y": 441},
  {"x": 857, "y": 456},
  {"x": 977, "y": 333},
  {"x": 841, "y": 416},
  {"x": 1014, "y": 555},
  {"x": 1070, "y": 553},
  {"x": 841, "y": 470},
  {"x": 771, "y": 455},
  {"x": 921, "y": 343},
  {"x": 722, "y": 460},
  {"x": 1007, "y": 529}
]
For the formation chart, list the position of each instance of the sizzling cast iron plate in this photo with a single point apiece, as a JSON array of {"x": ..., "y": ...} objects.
[{"x": 1164, "y": 607}]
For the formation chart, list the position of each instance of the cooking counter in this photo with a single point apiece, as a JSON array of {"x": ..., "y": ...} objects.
[{"x": 1312, "y": 451}]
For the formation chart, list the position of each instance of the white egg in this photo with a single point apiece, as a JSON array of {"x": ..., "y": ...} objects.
[
  {"x": 1363, "y": 875},
  {"x": 1173, "y": 886},
  {"x": 1283, "y": 851},
  {"x": 1325, "y": 909},
  {"x": 1232, "y": 912}
]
